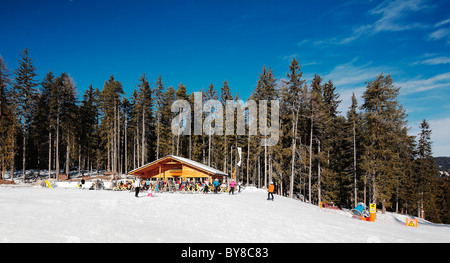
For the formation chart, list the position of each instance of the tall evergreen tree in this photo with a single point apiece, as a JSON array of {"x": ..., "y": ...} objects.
[
  {"x": 110, "y": 99},
  {"x": 87, "y": 123},
  {"x": 315, "y": 105},
  {"x": 40, "y": 133},
  {"x": 24, "y": 95},
  {"x": 182, "y": 140},
  {"x": 7, "y": 120},
  {"x": 427, "y": 175},
  {"x": 158, "y": 92},
  {"x": 48, "y": 86},
  {"x": 146, "y": 113},
  {"x": 225, "y": 146},
  {"x": 330, "y": 144},
  {"x": 385, "y": 120},
  {"x": 69, "y": 110},
  {"x": 353, "y": 124},
  {"x": 167, "y": 139},
  {"x": 210, "y": 94},
  {"x": 265, "y": 90},
  {"x": 293, "y": 95}
]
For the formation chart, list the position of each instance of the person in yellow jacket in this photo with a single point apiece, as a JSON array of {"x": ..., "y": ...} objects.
[{"x": 270, "y": 191}]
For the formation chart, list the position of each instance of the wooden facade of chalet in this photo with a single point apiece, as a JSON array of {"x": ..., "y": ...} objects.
[{"x": 173, "y": 166}]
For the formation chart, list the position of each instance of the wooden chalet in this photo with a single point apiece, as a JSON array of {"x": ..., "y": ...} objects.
[{"x": 176, "y": 167}]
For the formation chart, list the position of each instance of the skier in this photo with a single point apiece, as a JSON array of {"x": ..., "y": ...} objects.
[
  {"x": 82, "y": 183},
  {"x": 216, "y": 185},
  {"x": 137, "y": 186},
  {"x": 205, "y": 187},
  {"x": 270, "y": 191},
  {"x": 232, "y": 185}
]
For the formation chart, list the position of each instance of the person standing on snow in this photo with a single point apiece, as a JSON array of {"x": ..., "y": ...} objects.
[
  {"x": 270, "y": 191},
  {"x": 232, "y": 185},
  {"x": 206, "y": 187},
  {"x": 82, "y": 182},
  {"x": 216, "y": 185},
  {"x": 137, "y": 186}
]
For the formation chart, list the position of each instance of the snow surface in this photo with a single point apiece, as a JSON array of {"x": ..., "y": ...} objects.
[{"x": 35, "y": 214}]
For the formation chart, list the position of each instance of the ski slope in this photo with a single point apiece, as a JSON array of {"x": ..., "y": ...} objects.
[{"x": 35, "y": 214}]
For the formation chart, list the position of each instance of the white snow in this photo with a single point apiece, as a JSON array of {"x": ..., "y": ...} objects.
[{"x": 35, "y": 214}]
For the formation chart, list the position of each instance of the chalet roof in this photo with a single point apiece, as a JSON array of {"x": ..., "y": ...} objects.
[{"x": 185, "y": 161}]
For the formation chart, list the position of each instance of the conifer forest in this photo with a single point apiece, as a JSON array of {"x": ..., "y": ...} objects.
[{"x": 322, "y": 155}]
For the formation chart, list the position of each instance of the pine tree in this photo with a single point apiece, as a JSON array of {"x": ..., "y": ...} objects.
[
  {"x": 385, "y": 123},
  {"x": 315, "y": 101},
  {"x": 443, "y": 199},
  {"x": 46, "y": 100},
  {"x": 40, "y": 133},
  {"x": 210, "y": 94},
  {"x": 69, "y": 110},
  {"x": 225, "y": 145},
  {"x": 24, "y": 96},
  {"x": 7, "y": 120},
  {"x": 134, "y": 125},
  {"x": 197, "y": 136},
  {"x": 294, "y": 98},
  {"x": 406, "y": 195},
  {"x": 146, "y": 112},
  {"x": 426, "y": 176},
  {"x": 158, "y": 92},
  {"x": 331, "y": 143},
  {"x": 87, "y": 133},
  {"x": 265, "y": 90},
  {"x": 183, "y": 141},
  {"x": 55, "y": 95},
  {"x": 128, "y": 133},
  {"x": 167, "y": 139},
  {"x": 110, "y": 99},
  {"x": 353, "y": 122}
]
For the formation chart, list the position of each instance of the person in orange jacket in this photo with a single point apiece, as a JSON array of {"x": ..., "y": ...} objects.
[{"x": 270, "y": 191}]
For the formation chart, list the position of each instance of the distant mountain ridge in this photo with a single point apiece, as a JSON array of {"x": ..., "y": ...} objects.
[{"x": 443, "y": 164}]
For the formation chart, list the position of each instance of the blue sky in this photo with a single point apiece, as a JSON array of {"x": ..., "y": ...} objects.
[{"x": 204, "y": 42}]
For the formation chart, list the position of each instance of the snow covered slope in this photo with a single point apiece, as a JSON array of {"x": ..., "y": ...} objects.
[{"x": 34, "y": 214}]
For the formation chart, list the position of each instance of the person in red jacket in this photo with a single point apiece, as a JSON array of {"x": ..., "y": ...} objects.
[{"x": 270, "y": 191}]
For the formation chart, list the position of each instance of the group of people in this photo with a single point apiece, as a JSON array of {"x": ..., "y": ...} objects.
[
  {"x": 181, "y": 186},
  {"x": 96, "y": 184},
  {"x": 187, "y": 185},
  {"x": 122, "y": 185}
]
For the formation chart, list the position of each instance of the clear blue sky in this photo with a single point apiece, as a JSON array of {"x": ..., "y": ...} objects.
[{"x": 203, "y": 42}]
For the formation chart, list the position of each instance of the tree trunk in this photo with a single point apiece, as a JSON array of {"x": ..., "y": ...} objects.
[
  {"x": 24, "y": 148},
  {"x": 126, "y": 147},
  {"x": 265, "y": 166},
  {"x": 143, "y": 136},
  {"x": 319, "y": 186},
  {"x": 49, "y": 154},
  {"x": 119, "y": 159},
  {"x": 354, "y": 162},
  {"x": 157, "y": 139},
  {"x": 134, "y": 152},
  {"x": 68, "y": 157},
  {"x": 248, "y": 157},
  {"x": 57, "y": 147},
  {"x": 294, "y": 147},
  {"x": 310, "y": 159}
]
